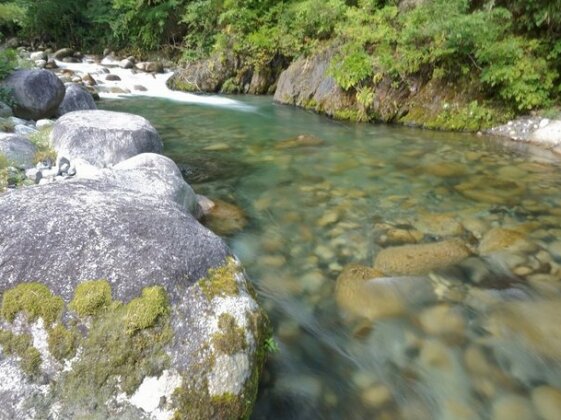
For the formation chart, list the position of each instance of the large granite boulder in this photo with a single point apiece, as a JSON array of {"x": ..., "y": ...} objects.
[
  {"x": 104, "y": 138},
  {"x": 308, "y": 84},
  {"x": 150, "y": 174},
  {"x": 76, "y": 98},
  {"x": 170, "y": 330},
  {"x": 37, "y": 93},
  {"x": 206, "y": 75},
  {"x": 17, "y": 150}
]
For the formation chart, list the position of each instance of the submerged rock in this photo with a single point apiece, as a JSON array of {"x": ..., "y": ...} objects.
[
  {"x": 534, "y": 324},
  {"x": 420, "y": 259},
  {"x": 37, "y": 93},
  {"x": 547, "y": 401},
  {"x": 491, "y": 190},
  {"x": 358, "y": 294},
  {"x": 364, "y": 292},
  {"x": 501, "y": 239},
  {"x": 302, "y": 140},
  {"x": 172, "y": 331},
  {"x": 104, "y": 138},
  {"x": 224, "y": 218}
]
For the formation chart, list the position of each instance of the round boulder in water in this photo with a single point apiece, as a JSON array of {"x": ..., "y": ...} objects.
[
  {"x": 104, "y": 138},
  {"x": 76, "y": 98},
  {"x": 37, "y": 93}
]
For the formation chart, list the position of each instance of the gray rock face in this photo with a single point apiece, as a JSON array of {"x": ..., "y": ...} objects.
[
  {"x": 37, "y": 93},
  {"x": 155, "y": 176},
  {"x": 150, "y": 66},
  {"x": 38, "y": 55},
  {"x": 89, "y": 229},
  {"x": 76, "y": 98},
  {"x": 18, "y": 150},
  {"x": 63, "y": 53},
  {"x": 5, "y": 110},
  {"x": 203, "y": 76},
  {"x": 98, "y": 231},
  {"x": 307, "y": 82},
  {"x": 104, "y": 138}
]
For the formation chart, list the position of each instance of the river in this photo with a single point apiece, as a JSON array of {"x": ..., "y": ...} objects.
[{"x": 475, "y": 336}]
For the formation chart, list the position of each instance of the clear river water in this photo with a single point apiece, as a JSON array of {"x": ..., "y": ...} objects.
[{"x": 447, "y": 248}]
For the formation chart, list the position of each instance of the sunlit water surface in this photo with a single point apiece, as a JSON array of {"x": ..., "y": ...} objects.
[{"x": 480, "y": 339}]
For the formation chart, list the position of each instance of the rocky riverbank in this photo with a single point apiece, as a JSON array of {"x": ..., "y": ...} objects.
[
  {"x": 116, "y": 302},
  {"x": 421, "y": 102}
]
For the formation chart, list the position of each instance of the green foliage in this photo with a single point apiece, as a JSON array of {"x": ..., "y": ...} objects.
[
  {"x": 271, "y": 345},
  {"x": 11, "y": 16},
  {"x": 143, "y": 23},
  {"x": 447, "y": 39},
  {"x": 8, "y": 62},
  {"x": 352, "y": 67}
]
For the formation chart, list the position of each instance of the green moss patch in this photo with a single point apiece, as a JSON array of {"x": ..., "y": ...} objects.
[
  {"x": 21, "y": 345},
  {"x": 35, "y": 300},
  {"x": 124, "y": 344},
  {"x": 41, "y": 140},
  {"x": 231, "y": 338},
  {"x": 91, "y": 298},
  {"x": 221, "y": 281},
  {"x": 144, "y": 311},
  {"x": 62, "y": 342}
]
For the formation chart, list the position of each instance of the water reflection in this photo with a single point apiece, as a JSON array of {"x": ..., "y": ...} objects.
[{"x": 408, "y": 274}]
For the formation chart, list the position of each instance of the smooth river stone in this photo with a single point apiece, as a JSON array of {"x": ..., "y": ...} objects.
[
  {"x": 510, "y": 407},
  {"x": 438, "y": 224},
  {"x": 358, "y": 294},
  {"x": 547, "y": 402},
  {"x": 420, "y": 259},
  {"x": 442, "y": 319},
  {"x": 491, "y": 190},
  {"x": 534, "y": 323},
  {"x": 445, "y": 169},
  {"x": 500, "y": 239}
]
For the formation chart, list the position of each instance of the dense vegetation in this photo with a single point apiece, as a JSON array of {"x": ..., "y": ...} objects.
[{"x": 508, "y": 49}]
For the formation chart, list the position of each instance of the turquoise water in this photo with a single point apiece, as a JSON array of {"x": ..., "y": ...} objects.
[{"x": 461, "y": 319}]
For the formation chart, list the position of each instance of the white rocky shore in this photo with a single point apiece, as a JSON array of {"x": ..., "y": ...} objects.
[{"x": 539, "y": 131}]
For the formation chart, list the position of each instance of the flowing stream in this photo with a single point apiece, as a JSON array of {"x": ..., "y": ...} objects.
[{"x": 477, "y": 339}]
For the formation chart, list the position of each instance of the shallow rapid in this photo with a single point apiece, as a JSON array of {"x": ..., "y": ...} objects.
[{"x": 408, "y": 274}]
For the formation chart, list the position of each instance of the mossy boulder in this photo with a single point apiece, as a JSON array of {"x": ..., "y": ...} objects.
[{"x": 135, "y": 309}]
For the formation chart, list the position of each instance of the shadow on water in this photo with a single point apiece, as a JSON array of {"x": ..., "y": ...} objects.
[{"x": 453, "y": 309}]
